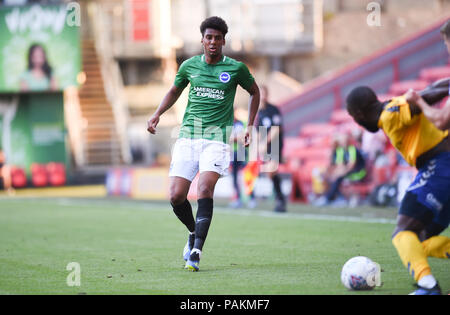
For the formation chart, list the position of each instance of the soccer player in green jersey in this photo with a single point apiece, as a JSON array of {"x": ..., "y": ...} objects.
[{"x": 202, "y": 146}]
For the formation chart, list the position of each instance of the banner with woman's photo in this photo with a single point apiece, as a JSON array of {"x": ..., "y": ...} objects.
[{"x": 39, "y": 48}]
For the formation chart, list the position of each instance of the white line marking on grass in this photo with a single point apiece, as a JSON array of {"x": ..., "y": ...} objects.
[
  {"x": 307, "y": 216},
  {"x": 153, "y": 206}
]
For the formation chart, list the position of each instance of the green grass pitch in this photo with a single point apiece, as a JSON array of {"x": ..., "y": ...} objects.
[{"x": 133, "y": 247}]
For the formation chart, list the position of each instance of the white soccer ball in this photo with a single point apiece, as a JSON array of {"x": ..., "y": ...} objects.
[{"x": 360, "y": 273}]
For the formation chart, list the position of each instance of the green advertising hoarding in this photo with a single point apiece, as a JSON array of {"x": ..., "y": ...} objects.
[
  {"x": 37, "y": 131},
  {"x": 39, "y": 48},
  {"x": 40, "y": 56}
]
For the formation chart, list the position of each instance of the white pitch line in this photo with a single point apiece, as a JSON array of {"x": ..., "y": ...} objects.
[
  {"x": 307, "y": 216},
  {"x": 224, "y": 210},
  {"x": 144, "y": 205}
]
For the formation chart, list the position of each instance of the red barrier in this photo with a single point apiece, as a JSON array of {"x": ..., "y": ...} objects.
[
  {"x": 18, "y": 177},
  {"x": 39, "y": 177},
  {"x": 56, "y": 173}
]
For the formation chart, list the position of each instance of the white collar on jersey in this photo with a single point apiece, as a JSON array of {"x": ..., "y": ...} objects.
[{"x": 223, "y": 60}]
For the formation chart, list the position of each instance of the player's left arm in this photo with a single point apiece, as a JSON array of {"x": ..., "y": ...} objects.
[{"x": 253, "y": 106}]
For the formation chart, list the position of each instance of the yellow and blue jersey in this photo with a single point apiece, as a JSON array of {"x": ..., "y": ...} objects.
[{"x": 411, "y": 135}]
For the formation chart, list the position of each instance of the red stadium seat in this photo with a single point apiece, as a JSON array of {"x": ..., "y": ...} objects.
[
  {"x": 340, "y": 116},
  {"x": 313, "y": 154},
  {"x": 434, "y": 73},
  {"x": 401, "y": 87},
  {"x": 320, "y": 141},
  {"x": 302, "y": 178},
  {"x": 349, "y": 127},
  {"x": 56, "y": 174},
  {"x": 317, "y": 129},
  {"x": 381, "y": 175},
  {"x": 307, "y": 168},
  {"x": 18, "y": 177},
  {"x": 39, "y": 176},
  {"x": 292, "y": 144}
]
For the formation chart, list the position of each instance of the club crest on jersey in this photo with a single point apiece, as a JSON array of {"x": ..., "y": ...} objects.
[{"x": 224, "y": 77}]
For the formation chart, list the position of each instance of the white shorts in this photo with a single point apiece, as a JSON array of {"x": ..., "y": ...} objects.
[{"x": 190, "y": 156}]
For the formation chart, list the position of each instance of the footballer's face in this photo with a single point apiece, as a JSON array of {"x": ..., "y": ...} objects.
[
  {"x": 362, "y": 120},
  {"x": 213, "y": 41}
]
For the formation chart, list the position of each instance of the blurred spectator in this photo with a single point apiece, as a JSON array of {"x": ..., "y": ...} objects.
[
  {"x": 5, "y": 174},
  {"x": 347, "y": 162},
  {"x": 373, "y": 145}
]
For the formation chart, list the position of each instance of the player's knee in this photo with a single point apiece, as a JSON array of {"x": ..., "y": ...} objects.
[
  {"x": 205, "y": 191},
  {"x": 176, "y": 197}
]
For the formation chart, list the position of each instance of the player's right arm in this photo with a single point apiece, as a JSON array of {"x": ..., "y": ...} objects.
[
  {"x": 181, "y": 81},
  {"x": 169, "y": 99}
]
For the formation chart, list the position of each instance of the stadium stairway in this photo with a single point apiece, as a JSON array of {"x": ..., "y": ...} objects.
[{"x": 101, "y": 142}]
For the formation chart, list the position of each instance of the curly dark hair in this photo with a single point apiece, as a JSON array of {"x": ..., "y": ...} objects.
[
  {"x": 362, "y": 98},
  {"x": 215, "y": 23}
]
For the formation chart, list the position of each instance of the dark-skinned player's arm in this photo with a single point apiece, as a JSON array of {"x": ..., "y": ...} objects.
[
  {"x": 169, "y": 99},
  {"x": 253, "y": 106},
  {"x": 440, "y": 117},
  {"x": 436, "y": 92}
]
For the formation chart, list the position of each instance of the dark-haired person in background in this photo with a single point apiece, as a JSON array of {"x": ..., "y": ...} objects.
[
  {"x": 347, "y": 163},
  {"x": 202, "y": 146},
  {"x": 39, "y": 74},
  {"x": 425, "y": 209}
]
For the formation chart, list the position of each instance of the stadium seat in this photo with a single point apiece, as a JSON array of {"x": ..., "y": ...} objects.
[
  {"x": 18, "y": 177},
  {"x": 434, "y": 73},
  {"x": 320, "y": 141},
  {"x": 401, "y": 87},
  {"x": 349, "y": 127},
  {"x": 318, "y": 153},
  {"x": 381, "y": 175},
  {"x": 297, "y": 194},
  {"x": 39, "y": 177},
  {"x": 56, "y": 173},
  {"x": 317, "y": 129},
  {"x": 340, "y": 116},
  {"x": 284, "y": 168},
  {"x": 302, "y": 177},
  {"x": 292, "y": 144}
]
